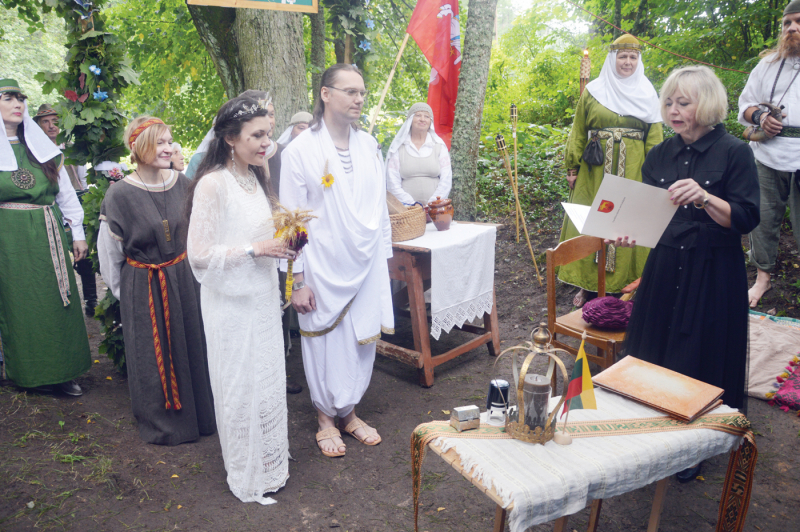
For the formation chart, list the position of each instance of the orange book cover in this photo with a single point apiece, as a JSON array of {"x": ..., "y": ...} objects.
[{"x": 670, "y": 392}]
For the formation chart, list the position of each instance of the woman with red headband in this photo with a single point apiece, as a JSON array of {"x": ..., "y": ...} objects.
[{"x": 142, "y": 249}]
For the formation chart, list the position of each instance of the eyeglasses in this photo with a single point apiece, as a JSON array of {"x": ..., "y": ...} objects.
[{"x": 351, "y": 92}]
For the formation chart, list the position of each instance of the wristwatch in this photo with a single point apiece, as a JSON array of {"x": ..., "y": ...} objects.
[
  {"x": 299, "y": 285},
  {"x": 249, "y": 250},
  {"x": 756, "y": 116},
  {"x": 705, "y": 202}
]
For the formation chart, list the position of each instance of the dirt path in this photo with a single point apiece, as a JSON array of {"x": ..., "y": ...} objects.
[{"x": 78, "y": 464}]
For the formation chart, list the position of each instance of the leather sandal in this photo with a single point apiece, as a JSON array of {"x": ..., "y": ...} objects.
[
  {"x": 356, "y": 424},
  {"x": 329, "y": 434}
]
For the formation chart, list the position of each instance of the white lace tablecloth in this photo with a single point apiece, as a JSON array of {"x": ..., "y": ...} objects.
[
  {"x": 548, "y": 481},
  {"x": 462, "y": 273}
]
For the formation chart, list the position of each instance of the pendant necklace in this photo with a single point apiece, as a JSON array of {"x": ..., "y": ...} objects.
[{"x": 164, "y": 220}]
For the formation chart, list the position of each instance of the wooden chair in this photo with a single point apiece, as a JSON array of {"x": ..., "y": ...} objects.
[{"x": 608, "y": 343}]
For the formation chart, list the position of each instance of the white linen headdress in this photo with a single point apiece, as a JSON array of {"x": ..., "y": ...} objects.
[
  {"x": 37, "y": 141},
  {"x": 632, "y": 96},
  {"x": 301, "y": 117},
  {"x": 405, "y": 131}
]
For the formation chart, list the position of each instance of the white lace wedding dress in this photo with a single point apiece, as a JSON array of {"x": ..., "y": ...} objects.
[{"x": 242, "y": 320}]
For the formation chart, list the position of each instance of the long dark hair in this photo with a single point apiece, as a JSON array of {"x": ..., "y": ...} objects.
[
  {"x": 228, "y": 125},
  {"x": 327, "y": 80},
  {"x": 50, "y": 168}
]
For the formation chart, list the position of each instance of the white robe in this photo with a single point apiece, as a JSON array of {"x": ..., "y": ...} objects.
[
  {"x": 344, "y": 263},
  {"x": 242, "y": 321}
]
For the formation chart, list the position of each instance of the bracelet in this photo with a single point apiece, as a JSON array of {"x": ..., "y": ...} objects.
[
  {"x": 705, "y": 202},
  {"x": 249, "y": 250},
  {"x": 756, "y": 116}
]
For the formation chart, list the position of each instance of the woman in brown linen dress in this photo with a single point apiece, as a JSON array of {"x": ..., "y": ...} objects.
[{"x": 142, "y": 249}]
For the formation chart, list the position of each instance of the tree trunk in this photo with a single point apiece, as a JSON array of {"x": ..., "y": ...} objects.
[
  {"x": 257, "y": 49},
  {"x": 617, "y": 17},
  {"x": 317, "y": 49},
  {"x": 215, "y": 29},
  {"x": 273, "y": 58},
  {"x": 469, "y": 106}
]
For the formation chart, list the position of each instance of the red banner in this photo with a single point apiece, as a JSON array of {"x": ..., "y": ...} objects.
[{"x": 434, "y": 26}]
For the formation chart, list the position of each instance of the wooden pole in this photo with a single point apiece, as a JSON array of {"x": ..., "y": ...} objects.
[
  {"x": 516, "y": 172},
  {"x": 501, "y": 146},
  {"x": 348, "y": 49},
  {"x": 388, "y": 82}
]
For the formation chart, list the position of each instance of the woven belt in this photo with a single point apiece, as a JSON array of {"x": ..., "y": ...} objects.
[
  {"x": 162, "y": 280},
  {"x": 54, "y": 239},
  {"x": 789, "y": 131},
  {"x": 617, "y": 134}
]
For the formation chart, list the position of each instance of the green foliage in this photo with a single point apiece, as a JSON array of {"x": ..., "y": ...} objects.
[
  {"x": 113, "y": 344},
  {"x": 541, "y": 185},
  {"x": 179, "y": 82},
  {"x": 350, "y": 17},
  {"x": 24, "y": 53},
  {"x": 89, "y": 119}
]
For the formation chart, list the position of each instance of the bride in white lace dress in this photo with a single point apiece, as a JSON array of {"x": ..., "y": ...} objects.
[{"x": 232, "y": 252}]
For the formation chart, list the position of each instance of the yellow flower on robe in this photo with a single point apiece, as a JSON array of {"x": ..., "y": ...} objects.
[{"x": 327, "y": 180}]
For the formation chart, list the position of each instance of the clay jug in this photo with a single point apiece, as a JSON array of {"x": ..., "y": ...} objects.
[{"x": 441, "y": 212}]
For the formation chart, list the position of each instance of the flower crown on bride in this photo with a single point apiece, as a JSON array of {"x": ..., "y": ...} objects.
[{"x": 251, "y": 109}]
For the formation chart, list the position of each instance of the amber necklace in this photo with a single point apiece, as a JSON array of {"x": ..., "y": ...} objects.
[{"x": 164, "y": 220}]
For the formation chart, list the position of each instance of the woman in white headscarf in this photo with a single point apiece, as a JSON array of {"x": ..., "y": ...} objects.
[
  {"x": 418, "y": 163},
  {"x": 42, "y": 331},
  {"x": 620, "y": 109},
  {"x": 298, "y": 123}
]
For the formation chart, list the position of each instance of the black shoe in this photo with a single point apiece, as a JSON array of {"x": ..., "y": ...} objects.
[
  {"x": 70, "y": 388},
  {"x": 293, "y": 387},
  {"x": 688, "y": 475},
  {"x": 89, "y": 308}
]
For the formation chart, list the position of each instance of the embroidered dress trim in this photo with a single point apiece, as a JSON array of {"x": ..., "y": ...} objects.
[
  {"x": 384, "y": 330},
  {"x": 168, "y": 184},
  {"x": 617, "y": 134},
  {"x": 54, "y": 239},
  {"x": 323, "y": 332}
]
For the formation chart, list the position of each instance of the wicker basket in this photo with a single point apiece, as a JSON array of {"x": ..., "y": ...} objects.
[{"x": 408, "y": 225}]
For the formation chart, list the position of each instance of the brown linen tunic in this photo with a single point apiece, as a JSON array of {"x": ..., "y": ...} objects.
[{"x": 134, "y": 215}]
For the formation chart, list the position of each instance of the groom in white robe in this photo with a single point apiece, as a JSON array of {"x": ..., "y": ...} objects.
[{"x": 341, "y": 279}]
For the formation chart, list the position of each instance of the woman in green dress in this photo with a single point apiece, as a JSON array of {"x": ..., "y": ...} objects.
[
  {"x": 44, "y": 340},
  {"x": 621, "y": 108}
]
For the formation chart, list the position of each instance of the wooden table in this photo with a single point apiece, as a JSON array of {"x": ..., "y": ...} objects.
[
  {"x": 413, "y": 265},
  {"x": 560, "y": 524}
]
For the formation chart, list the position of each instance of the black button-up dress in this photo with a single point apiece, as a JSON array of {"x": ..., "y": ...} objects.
[{"x": 690, "y": 312}]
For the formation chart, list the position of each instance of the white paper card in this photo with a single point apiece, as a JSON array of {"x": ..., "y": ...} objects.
[{"x": 623, "y": 207}]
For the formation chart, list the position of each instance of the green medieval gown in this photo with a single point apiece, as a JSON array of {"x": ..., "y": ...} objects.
[
  {"x": 592, "y": 115},
  {"x": 44, "y": 338}
]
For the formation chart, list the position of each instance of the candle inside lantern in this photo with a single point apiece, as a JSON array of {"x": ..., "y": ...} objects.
[{"x": 536, "y": 395}]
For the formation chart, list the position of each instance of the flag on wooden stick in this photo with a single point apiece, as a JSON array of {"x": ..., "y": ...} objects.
[
  {"x": 580, "y": 391},
  {"x": 434, "y": 26}
]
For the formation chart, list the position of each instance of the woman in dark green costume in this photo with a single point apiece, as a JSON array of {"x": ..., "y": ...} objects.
[
  {"x": 44, "y": 340},
  {"x": 621, "y": 107}
]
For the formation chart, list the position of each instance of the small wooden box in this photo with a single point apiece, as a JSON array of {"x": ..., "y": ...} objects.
[{"x": 461, "y": 426}]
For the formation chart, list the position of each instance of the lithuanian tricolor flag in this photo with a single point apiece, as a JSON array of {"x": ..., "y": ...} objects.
[{"x": 580, "y": 392}]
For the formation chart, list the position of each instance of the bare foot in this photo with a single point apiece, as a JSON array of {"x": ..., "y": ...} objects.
[
  {"x": 365, "y": 433},
  {"x": 580, "y": 298},
  {"x": 330, "y": 445},
  {"x": 761, "y": 287}
]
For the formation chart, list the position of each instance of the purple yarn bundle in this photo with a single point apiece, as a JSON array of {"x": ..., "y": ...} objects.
[{"x": 608, "y": 312}]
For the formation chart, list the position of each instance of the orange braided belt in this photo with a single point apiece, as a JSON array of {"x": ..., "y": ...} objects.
[{"x": 162, "y": 280}]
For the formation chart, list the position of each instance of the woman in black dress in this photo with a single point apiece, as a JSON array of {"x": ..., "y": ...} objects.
[{"x": 690, "y": 313}]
